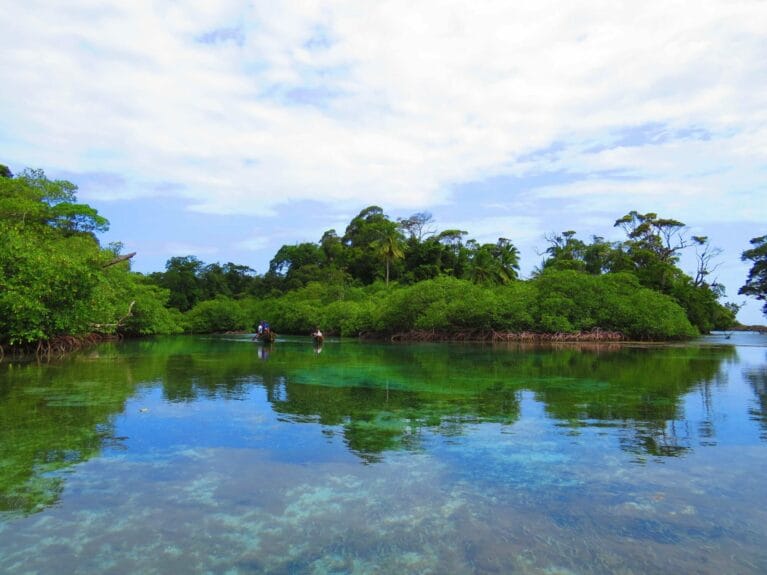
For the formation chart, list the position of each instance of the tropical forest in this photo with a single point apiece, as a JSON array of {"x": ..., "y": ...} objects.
[{"x": 380, "y": 277}]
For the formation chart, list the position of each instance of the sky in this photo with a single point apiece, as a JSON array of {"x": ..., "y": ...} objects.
[{"x": 227, "y": 129}]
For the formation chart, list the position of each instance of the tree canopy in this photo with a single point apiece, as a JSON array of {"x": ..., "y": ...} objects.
[
  {"x": 756, "y": 283},
  {"x": 380, "y": 275},
  {"x": 55, "y": 278}
]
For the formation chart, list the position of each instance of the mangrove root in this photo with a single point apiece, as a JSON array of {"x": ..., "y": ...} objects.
[{"x": 492, "y": 336}]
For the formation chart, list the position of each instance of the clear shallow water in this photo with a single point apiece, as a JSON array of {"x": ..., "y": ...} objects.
[{"x": 208, "y": 455}]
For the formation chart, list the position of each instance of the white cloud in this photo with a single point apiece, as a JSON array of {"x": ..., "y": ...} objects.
[
  {"x": 253, "y": 244},
  {"x": 719, "y": 179},
  {"x": 520, "y": 229},
  {"x": 184, "y": 249},
  {"x": 246, "y": 107}
]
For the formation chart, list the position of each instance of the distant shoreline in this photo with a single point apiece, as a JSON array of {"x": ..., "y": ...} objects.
[
  {"x": 593, "y": 336},
  {"x": 756, "y": 328}
]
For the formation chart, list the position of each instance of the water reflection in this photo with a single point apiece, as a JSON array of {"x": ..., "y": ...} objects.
[
  {"x": 757, "y": 378},
  {"x": 186, "y": 454},
  {"x": 377, "y": 398},
  {"x": 390, "y": 395},
  {"x": 52, "y": 417}
]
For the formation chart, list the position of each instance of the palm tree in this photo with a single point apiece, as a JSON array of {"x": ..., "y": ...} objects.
[
  {"x": 389, "y": 247},
  {"x": 507, "y": 256},
  {"x": 482, "y": 269},
  {"x": 493, "y": 263}
]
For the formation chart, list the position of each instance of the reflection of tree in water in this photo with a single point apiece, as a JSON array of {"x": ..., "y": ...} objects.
[
  {"x": 53, "y": 417},
  {"x": 664, "y": 432},
  {"x": 637, "y": 392},
  {"x": 656, "y": 439},
  {"x": 707, "y": 426},
  {"x": 188, "y": 377},
  {"x": 758, "y": 380},
  {"x": 375, "y": 419},
  {"x": 56, "y": 415},
  {"x": 396, "y": 394},
  {"x": 380, "y": 398}
]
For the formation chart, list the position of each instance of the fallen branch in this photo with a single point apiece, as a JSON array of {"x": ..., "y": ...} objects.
[
  {"x": 119, "y": 259},
  {"x": 115, "y": 326}
]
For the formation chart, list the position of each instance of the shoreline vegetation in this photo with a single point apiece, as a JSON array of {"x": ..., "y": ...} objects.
[
  {"x": 759, "y": 328},
  {"x": 57, "y": 347},
  {"x": 61, "y": 346},
  {"x": 402, "y": 280},
  {"x": 491, "y": 336}
]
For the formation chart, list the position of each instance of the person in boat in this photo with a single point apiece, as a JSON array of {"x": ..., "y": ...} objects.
[
  {"x": 259, "y": 331},
  {"x": 318, "y": 339}
]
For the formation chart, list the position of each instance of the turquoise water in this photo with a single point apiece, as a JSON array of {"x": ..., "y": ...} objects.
[{"x": 217, "y": 455}]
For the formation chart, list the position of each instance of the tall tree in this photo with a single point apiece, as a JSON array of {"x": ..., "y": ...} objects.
[
  {"x": 565, "y": 252},
  {"x": 455, "y": 257},
  {"x": 664, "y": 237},
  {"x": 390, "y": 248},
  {"x": 418, "y": 226},
  {"x": 212, "y": 280},
  {"x": 601, "y": 256},
  {"x": 704, "y": 255},
  {"x": 55, "y": 279},
  {"x": 492, "y": 263},
  {"x": 756, "y": 283},
  {"x": 507, "y": 256},
  {"x": 654, "y": 245},
  {"x": 423, "y": 260},
  {"x": 362, "y": 238},
  {"x": 239, "y": 278},
  {"x": 290, "y": 258},
  {"x": 296, "y": 265},
  {"x": 32, "y": 198},
  {"x": 181, "y": 277},
  {"x": 332, "y": 248}
]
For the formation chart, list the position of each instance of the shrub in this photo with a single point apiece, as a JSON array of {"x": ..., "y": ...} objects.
[{"x": 218, "y": 315}]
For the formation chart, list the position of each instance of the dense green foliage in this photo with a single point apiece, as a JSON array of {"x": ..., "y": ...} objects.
[
  {"x": 410, "y": 251},
  {"x": 555, "y": 301},
  {"x": 651, "y": 253},
  {"x": 219, "y": 315},
  {"x": 55, "y": 278},
  {"x": 756, "y": 284},
  {"x": 375, "y": 248},
  {"x": 380, "y": 277}
]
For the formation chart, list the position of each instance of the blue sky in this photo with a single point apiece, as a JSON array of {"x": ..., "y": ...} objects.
[{"x": 227, "y": 129}]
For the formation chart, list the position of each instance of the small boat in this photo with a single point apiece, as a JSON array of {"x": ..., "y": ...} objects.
[
  {"x": 318, "y": 338},
  {"x": 266, "y": 337}
]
